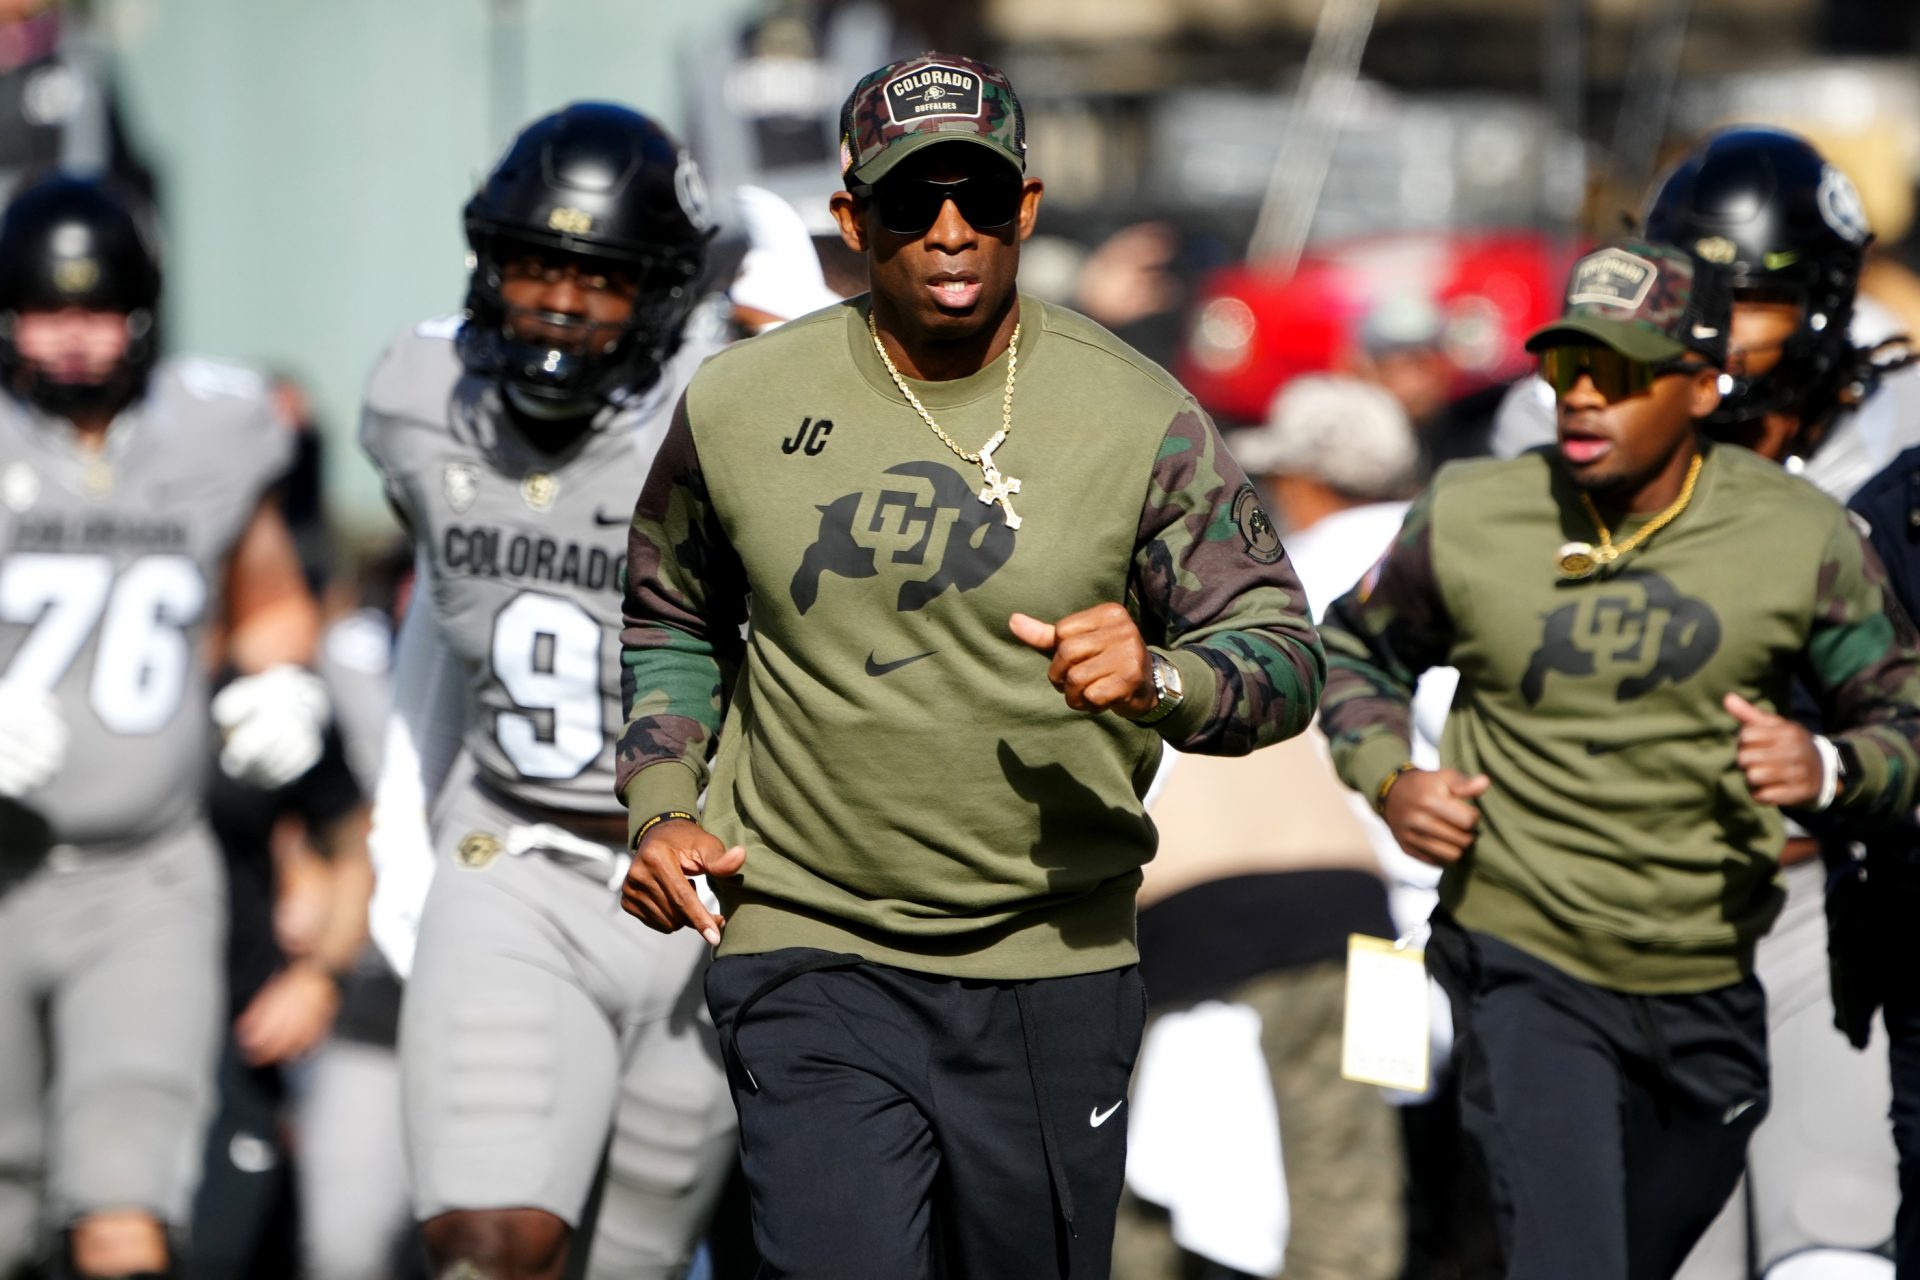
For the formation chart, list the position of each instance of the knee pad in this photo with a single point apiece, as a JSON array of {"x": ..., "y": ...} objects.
[{"x": 1831, "y": 1264}]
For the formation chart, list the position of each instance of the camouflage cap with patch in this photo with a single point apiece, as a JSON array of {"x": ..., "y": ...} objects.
[
  {"x": 1650, "y": 302},
  {"x": 932, "y": 97}
]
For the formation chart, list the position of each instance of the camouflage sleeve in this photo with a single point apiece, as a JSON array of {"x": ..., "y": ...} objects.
[
  {"x": 1861, "y": 661},
  {"x": 680, "y": 646},
  {"x": 1380, "y": 636},
  {"x": 1218, "y": 594}
]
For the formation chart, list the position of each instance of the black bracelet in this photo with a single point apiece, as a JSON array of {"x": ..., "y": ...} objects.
[{"x": 671, "y": 815}]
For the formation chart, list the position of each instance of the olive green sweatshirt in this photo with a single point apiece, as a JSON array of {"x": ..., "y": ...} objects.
[
  {"x": 1618, "y": 839},
  {"x": 814, "y": 582}
]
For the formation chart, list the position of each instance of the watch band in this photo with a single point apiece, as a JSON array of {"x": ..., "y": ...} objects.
[{"x": 1166, "y": 690}]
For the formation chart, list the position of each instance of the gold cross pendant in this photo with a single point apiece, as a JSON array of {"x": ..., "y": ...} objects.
[{"x": 998, "y": 488}]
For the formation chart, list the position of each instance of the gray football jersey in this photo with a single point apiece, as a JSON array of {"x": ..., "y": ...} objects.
[
  {"x": 524, "y": 550},
  {"x": 112, "y": 565}
]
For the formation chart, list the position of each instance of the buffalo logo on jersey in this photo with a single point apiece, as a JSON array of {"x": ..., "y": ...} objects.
[
  {"x": 538, "y": 489},
  {"x": 929, "y": 525},
  {"x": 477, "y": 850},
  {"x": 1637, "y": 630}
]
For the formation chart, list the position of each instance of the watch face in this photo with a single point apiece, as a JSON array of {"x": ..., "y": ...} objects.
[{"x": 1171, "y": 675}]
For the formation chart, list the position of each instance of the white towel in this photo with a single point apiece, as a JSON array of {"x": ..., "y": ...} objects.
[{"x": 1203, "y": 1140}]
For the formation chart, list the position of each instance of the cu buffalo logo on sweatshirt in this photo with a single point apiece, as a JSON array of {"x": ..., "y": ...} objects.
[
  {"x": 1636, "y": 629},
  {"x": 927, "y": 524}
]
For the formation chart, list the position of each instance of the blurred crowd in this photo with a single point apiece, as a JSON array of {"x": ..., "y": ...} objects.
[{"x": 1338, "y": 248}]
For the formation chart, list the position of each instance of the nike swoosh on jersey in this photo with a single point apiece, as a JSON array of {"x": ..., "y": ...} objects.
[
  {"x": 604, "y": 520},
  {"x": 1097, "y": 1117},
  {"x": 881, "y": 668}
]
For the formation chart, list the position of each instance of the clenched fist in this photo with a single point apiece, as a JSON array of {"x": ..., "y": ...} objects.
[
  {"x": 1777, "y": 755},
  {"x": 1432, "y": 815},
  {"x": 1100, "y": 662}
]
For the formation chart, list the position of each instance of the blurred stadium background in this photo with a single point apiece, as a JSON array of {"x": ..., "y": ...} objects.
[{"x": 1426, "y": 162}]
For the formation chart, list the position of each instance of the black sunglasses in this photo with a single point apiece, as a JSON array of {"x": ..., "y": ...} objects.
[
  {"x": 908, "y": 206},
  {"x": 1615, "y": 377}
]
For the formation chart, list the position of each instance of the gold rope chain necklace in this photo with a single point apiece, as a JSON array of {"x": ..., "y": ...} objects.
[
  {"x": 998, "y": 488},
  {"x": 1583, "y": 559}
]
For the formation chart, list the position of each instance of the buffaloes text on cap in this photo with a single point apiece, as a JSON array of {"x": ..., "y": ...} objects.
[
  {"x": 932, "y": 91},
  {"x": 1613, "y": 278}
]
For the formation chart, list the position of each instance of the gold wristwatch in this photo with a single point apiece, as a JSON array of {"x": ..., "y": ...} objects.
[{"x": 1166, "y": 684}]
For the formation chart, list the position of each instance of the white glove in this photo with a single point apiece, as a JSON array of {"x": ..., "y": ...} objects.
[
  {"x": 33, "y": 739},
  {"x": 781, "y": 273},
  {"x": 274, "y": 724}
]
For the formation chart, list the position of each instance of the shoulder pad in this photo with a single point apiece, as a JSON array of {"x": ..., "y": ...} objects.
[
  {"x": 447, "y": 326},
  {"x": 204, "y": 378},
  {"x": 225, "y": 413},
  {"x": 417, "y": 372}
]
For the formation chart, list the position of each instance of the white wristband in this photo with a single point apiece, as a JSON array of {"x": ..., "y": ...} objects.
[{"x": 1829, "y": 772}]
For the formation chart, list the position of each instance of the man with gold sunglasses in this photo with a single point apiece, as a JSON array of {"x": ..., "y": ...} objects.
[{"x": 1627, "y": 609}]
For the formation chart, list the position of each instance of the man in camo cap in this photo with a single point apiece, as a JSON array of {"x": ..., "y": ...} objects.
[
  {"x": 1627, "y": 612},
  {"x": 926, "y": 835}
]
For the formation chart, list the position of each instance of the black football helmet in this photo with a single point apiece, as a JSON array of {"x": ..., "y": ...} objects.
[
  {"x": 1768, "y": 210},
  {"x": 68, "y": 241},
  {"x": 603, "y": 183}
]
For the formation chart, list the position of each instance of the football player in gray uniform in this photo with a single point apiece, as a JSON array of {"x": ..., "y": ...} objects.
[
  {"x": 134, "y": 526},
  {"x": 539, "y": 1029}
]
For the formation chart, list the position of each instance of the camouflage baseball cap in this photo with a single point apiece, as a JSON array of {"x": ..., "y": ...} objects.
[
  {"x": 934, "y": 97},
  {"x": 1650, "y": 302}
]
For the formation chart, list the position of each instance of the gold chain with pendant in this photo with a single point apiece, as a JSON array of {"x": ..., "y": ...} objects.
[
  {"x": 1583, "y": 559},
  {"x": 998, "y": 488}
]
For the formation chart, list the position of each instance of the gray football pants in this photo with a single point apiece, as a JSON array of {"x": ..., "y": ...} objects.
[
  {"x": 542, "y": 1021},
  {"x": 352, "y": 1166},
  {"x": 112, "y": 991}
]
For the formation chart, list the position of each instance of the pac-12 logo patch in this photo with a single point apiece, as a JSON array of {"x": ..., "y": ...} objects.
[
  {"x": 461, "y": 484},
  {"x": 932, "y": 91},
  {"x": 19, "y": 487},
  {"x": 1262, "y": 539}
]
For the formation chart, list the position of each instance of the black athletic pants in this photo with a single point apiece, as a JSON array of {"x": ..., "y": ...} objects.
[
  {"x": 1613, "y": 1126},
  {"x": 901, "y": 1126},
  {"x": 1902, "y": 1013}
]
